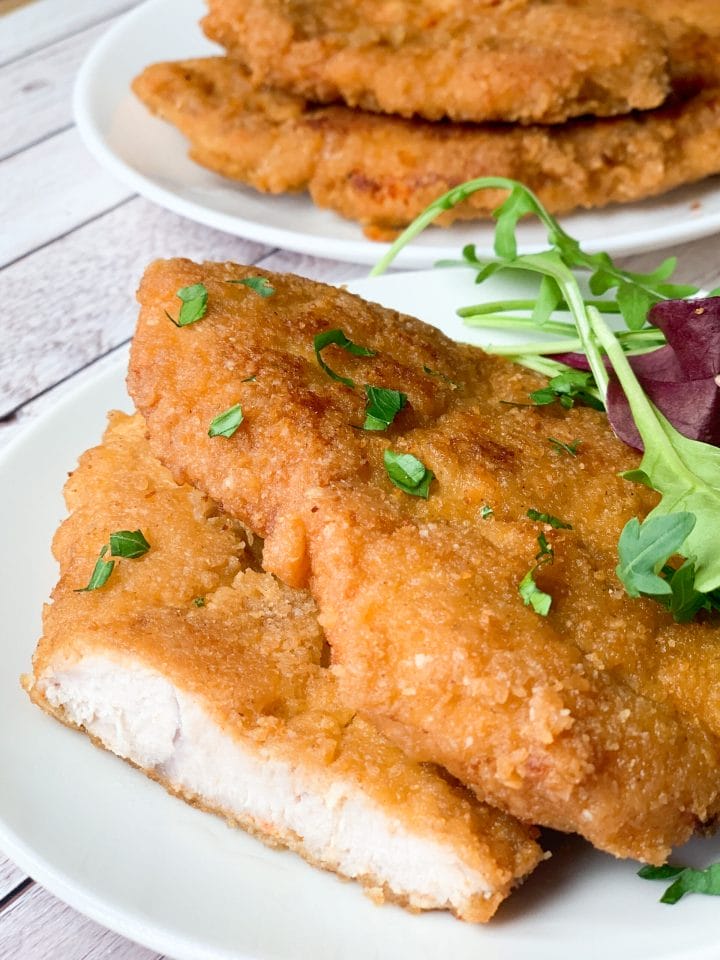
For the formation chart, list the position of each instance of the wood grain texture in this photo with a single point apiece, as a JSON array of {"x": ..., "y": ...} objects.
[
  {"x": 10, "y": 876},
  {"x": 36, "y": 91},
  {"x": 38, "y": 24},
  {"x": 37, "y": 926},
  {"x": 75, "y": 300}
]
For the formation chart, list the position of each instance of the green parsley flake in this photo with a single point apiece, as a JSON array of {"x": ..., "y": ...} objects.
[
  {"x": 130, "y": 544},
  {"x": 226, "y": 423},
  {"x": 686, "y": 880},
  {"x": 568, "y": 387},
  {"x": 381, "y": 407},
  {"x": 101, "y": 572},
  {"x": 199, "y": 601},
  {"x": 408, "y": 473},
  {"x": 194, "y": 305},
  {"x": 486, "y": 512},
  {"x": 259, "y": 285},
  {"x": 549, "y": 518},
  {"x": 532, "y": 595},
  {"x": 337, "y": 337},
  {"x": 570, "y": 448}
]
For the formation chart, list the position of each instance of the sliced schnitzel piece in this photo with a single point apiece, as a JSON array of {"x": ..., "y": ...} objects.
[
  {"x": 207, "y": 675},
  {"x": 383, "y": 171},
  {"x": 532, "y": 61},
  {"x": 419, "y": 598}
]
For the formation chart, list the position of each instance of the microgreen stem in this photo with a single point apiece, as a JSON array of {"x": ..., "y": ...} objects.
[
  {"x": 502, "y": 306},
  {"x": 517, "y": 323},
  {"x": 534, "y": 348},
  {"x": 446, "y": 202}
]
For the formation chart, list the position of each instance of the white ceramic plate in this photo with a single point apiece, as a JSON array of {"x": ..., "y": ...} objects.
[
  {"x": 118, "y": 848},
  {"x": 150, "y": 156}
]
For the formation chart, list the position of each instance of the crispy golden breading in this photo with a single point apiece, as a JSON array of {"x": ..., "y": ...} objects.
[
  {"x": 251, "y": 655},
  {"x": 383, "y": 171},
  {"x": 559, "y": 720},
  {"x": 533, "y": 61}
]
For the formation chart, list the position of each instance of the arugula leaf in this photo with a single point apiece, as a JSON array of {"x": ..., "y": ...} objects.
[
  {"x": 194, "y": 305},
  {"x": 486, "y": 512},
  {"x": 570, "y": 448},
  {"x": 567, "y": 387},
  {"x": 226, "y": 423},
  {"x": 101, "y": 572},
  {"x": 687, "y": 880},
  {"x": 645, "y": 548},
  {"x": 128, "y": 543},
  {"x": 260, "y": 285},
  {"x": 685, "y": 472},
  {"x": 322, "y": 340},
  {"x": 548, "y": 298},
  {"x": 381, "y": 407},
  {"x": 554, "y": 522},
  {"x": 532, "y": 595},
  {"x": 634, "y": 303},
  {"x": 408, "y": 473}
]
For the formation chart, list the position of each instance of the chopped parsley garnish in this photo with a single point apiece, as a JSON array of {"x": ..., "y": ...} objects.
[
  {"x": 570, "y": 448},
  {"x": 226, "y": 423},
  {"x": 549, "y": 518},
  {"x": 194, "y": 305},
  {"x": 199, "y": 601},
  {"x": 685, "y": 880},
  {"x": 382, "y": 406},
  {"x": 337, "y": 337},
  {"x": 101, "y": 572},
  {"x": 408, "y": 473},
  {"x": 260, "y": 285},
  {"x": 130, "y": 544},
  {"x": 567, "y": 388},
  {"x": 486, "y": 512},
  {"x": 442, "y": 376},
  {"x": 532, "y": 595}
]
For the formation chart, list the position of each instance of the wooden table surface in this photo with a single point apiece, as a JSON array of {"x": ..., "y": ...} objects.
[{"x": 73, "y": 244}]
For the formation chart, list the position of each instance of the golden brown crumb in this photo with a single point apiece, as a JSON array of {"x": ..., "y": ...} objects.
[
  {"x": 383, "y": 171},
  {"x": 524, "y": 61}
]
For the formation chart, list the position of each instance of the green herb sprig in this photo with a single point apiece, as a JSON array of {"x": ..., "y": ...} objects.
[
  {"x": 685, "y": 880},
  {"x": 128, "y": 544},
  {"x": 259, "y": 285},
  {"x": 337, "y": 337},
  {"x": 225, "y": 424},
  {"x": 194, "y": 305},
  {"x": 408, "y": 473}
]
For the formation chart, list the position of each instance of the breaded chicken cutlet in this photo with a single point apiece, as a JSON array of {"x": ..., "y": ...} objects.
[
  {"x": 207, "y": 675},
  {"x": 383, "y": 171},
  {"x": 518, "y": 60},
  {"x": 577, "y": 720}
]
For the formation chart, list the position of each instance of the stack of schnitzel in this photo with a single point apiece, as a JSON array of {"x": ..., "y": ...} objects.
[
  {"x": 337, "y": 656},
  {"x": 377, "y": 108}
]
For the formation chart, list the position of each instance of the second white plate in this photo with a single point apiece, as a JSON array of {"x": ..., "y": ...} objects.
[{"x": 151, "y": 157}]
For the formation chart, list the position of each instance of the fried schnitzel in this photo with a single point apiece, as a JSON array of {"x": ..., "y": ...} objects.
[
  {"x": 532, "y": 61},
  {"x": 383, "y": 171},
  {"x": 226, "y": 703},
  {"x": 558, "y": 720}
]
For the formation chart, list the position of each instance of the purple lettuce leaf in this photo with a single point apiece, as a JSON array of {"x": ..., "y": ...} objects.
[{"x": 682, "y": 378}]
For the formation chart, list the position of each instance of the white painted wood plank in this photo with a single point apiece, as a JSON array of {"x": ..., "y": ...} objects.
[
  {"x": 49, "y": 190},
  {"x": 10, "y": 875},
  {"x": 74, "y": 300},
  {"x": 36, "y": 91},
  {"x": 42, "y": 22},
  {"x": 37, "y": 926}
]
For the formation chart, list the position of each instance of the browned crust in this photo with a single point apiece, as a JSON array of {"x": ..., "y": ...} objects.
[
  {"x": 513, "y": 61},
  {"x": 383, "y": 171}
]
